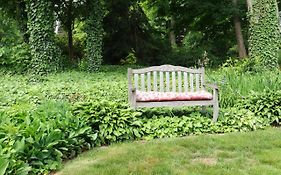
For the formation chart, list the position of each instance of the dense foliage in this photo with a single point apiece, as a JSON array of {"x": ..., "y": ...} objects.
[
  {"x": 114, "y": 122},
  {"x": 238, "y": 78},
  {"x": 35, "y": 142},
  {"x": 44, "y": 123},
  {"x": 264, "y": 32},
  {"x": 266, "y": 105},
  {"x": 137, "y": 31},
  {"x": 14, "y": 53}
]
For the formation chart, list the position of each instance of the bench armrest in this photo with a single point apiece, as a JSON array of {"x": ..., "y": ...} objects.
[
  {"x": 213, "y": 86},
  {"x": 133, "y": 90}
]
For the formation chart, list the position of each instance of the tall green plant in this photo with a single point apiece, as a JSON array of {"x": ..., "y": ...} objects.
[
  {"x": 264, "y": 32},
  {"x": 40, "y": 24}
]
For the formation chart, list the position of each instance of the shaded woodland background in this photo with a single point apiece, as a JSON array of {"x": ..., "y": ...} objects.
[{"x": 146, "y": 32}]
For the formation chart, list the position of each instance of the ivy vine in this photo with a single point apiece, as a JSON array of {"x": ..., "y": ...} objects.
[
  {"x": 264, "y": 36},
  {"x": 94, "y": 30},
  {"x": 40, "y": 25}
]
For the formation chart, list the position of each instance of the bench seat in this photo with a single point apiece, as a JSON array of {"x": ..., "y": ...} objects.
[{"x": 143, "y": 96}]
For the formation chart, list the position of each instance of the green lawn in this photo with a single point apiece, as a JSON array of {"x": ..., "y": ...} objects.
[{"x": 252, "y": 153}]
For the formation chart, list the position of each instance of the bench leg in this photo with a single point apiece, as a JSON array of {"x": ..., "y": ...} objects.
[
  {"x": 132, "y": 100},
  {"x": 216, "y": 112},
  {"x": 216, "y": 106},
  {"x": 204, "y": 109},
  {"x": 133, "y": 105}
]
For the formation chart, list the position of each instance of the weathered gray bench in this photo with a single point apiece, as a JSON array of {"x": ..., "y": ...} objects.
[{"x": 180, "y": 86}]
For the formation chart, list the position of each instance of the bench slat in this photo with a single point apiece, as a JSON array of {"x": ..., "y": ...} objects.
[
  {"x": 202, "y": 81},
  {"x": 148, "y": 81},
  {"x": 161, "y": 82},
  {"x": 155, "y": 81},
  {"x": 136, "y": 79},
  {"x": 174, "y": 81},
  {"x": 179, "y": 82},
  {"x": 197, "y": 82},
  {"x": 142, "y": 82},
  {"x": 185, "y": 82},
  {"x": 191, "y": 83},
  {"x": 167, "y": 82}
]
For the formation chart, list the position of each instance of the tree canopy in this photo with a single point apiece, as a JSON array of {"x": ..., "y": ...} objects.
[{"x": 150, "y": 32}]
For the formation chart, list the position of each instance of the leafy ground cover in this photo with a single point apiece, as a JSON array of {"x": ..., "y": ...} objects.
[
  {"x": 111, "y": 84},
  {"x": 45, "y": 122},
  {"x": 252, "y": 153},
  {"x": 18, "y": 90}
]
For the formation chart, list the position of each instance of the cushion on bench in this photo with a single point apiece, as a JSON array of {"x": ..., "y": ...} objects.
[{"x": 172, "y": 96}]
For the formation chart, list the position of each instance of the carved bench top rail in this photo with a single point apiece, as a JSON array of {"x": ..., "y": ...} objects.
[{"x": 168, "y": 68}]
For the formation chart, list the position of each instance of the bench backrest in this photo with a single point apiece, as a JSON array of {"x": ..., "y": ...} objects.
[{"x": 166, "y": 78}]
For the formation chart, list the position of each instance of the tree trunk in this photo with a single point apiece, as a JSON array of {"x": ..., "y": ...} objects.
[
  {"x": 172, "y": 33},
  {"x": 69, "y": 31},
  {"x": 239, "y": 34},
  {"x": 278, "y": 16},
  {"x": 23, "y": 21},
  {"x": 249, "y": 5}
]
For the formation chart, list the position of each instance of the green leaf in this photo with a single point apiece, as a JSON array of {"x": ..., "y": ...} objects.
[
  {"x": 3, "y": 165},
  {"x": 136, "y": 132},
  {"x": 20, "y": 145}
]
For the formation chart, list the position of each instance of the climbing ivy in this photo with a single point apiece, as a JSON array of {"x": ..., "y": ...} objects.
[
  {"x": 40, "y": 24},
  {"x": 94, "y": 31},
  {"x": 264, "y": 32}
]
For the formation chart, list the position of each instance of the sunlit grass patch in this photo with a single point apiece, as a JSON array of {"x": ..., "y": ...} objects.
[{"x": 252, "y": 153}]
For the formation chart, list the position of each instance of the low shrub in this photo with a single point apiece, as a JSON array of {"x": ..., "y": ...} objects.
[
  {"x": 36, "y": 142},
  {"x": 239, "y": 120},
  {"x": 14, "y": 52},
  {"x": 172, "y": 126},
  {"x": 234, "y": 84},
  {"x": 15, "y": 58},
  {"x": 266, "y": 105},
  {"x": 114, "y": 122},
  {"x": 231, "y": 120}
]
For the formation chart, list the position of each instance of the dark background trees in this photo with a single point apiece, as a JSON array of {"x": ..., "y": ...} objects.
[{"x": 149, "y": 32}]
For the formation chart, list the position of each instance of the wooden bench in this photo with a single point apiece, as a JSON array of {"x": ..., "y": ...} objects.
[{"x": 168, "y": 85}]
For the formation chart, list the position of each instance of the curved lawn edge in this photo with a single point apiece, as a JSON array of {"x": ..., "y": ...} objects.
[{"x": 234, "y": 153}]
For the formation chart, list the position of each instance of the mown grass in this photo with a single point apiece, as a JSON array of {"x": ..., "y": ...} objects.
[{"x": 252, "y": 153}]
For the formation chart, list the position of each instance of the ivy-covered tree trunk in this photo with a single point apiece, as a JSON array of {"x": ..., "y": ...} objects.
[
  {"x": 264, "y": 32},
  {"x": 41, "y": 26},
  {"x": 94, "y": 31}
]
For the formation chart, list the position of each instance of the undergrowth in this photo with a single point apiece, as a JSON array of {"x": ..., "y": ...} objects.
[{"x": 43, "y": 123}]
